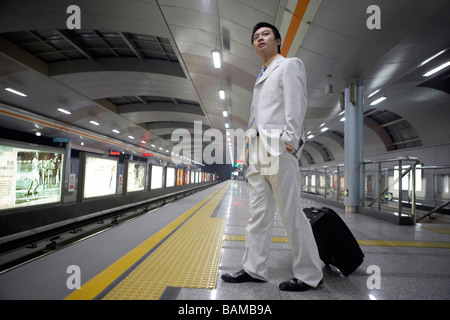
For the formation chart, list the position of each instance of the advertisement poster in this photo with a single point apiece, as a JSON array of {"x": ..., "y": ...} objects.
[
  {"x": 186, "y": 177},
  {"x": 100, "y": 177},
  {"x": 179, "y": 177},
  {"x": 29, "y": 177},
  {"x": 156, "y": 181},
  {"x": 136, "y": 176}
]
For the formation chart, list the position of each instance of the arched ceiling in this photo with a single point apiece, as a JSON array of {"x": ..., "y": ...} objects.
[{"x": 144, "y": 68}]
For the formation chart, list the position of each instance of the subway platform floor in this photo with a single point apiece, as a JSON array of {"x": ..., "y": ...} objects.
[
  {"x": 179, "y": 252},
  {"x": 401, "y": 262}
]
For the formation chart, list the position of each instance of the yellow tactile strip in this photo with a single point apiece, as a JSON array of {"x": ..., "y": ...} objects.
[
  {"x": 189, "y": 258},
  {"x": 96, "y": 285},
  {"x": 381, "y": 243}
]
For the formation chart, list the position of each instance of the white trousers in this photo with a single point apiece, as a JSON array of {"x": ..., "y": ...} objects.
[{"x": 282, "y": 190}]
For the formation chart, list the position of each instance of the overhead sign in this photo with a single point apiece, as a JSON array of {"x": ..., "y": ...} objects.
[{"x": 61, "y": 139}]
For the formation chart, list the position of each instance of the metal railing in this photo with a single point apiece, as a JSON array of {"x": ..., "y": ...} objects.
[{"x": 400, "y": 186}]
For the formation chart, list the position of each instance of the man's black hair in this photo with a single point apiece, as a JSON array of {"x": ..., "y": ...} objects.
[{"x": 267, "y": 25}]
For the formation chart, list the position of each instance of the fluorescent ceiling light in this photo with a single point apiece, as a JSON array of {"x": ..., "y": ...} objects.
[
  {"x": 115, "y": 131},
  {"x": 342, "y": 119},
  {"x": 324, "y": 129},
  {"x": 310, "y": 136},
  {"x": 429, "y": 59},
  {"x": 38, "y": 133},
  {"x": 216, "y": 59},
  {"x": 64, "y": 111},
  {"x": 222, "y": 94},
  {"x": 227, "y": 125},
  {"x": 373, "y": 93},
  {"x": 16, "y": 92},
  {"x": 225, "y": 113},
  {"x": 142, "y": 141},
  {"x": 322, "y": 124},
  {"x": 378, "y": 101},
  {"x": 94, "y": 123},
  {"x": 131, "y": 137},
  {"x": 442, "y": 66}
]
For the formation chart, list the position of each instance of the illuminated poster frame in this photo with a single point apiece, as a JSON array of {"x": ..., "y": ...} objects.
[
  {"x": 30, "y": 176},
  {"x": 136, "y": 176},
  {"x": 100, "y": 176},
  {"x": 156, "y": 178},
  {"x": 186, "y": 176},
  {"x": 180, "y": 175},
  {"x": 170, "y": 177}
]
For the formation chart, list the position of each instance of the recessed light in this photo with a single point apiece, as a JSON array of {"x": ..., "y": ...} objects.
[
  {"x": 437, "y": 69},
  {"x": 38, "y": 133},
  {"x": 373, "y": 93},
  {"x": 16, "y": 92},
  {"x": 429, "y": 59},
  {"x": 324, "y": 129},
  {"x": 64, "y": 111},
  {"x": 115, "y": 131},
  {"x": 94, "y": 123},
  {"x": 131, "y": 137},
  {"x": 378, "y": 100}
]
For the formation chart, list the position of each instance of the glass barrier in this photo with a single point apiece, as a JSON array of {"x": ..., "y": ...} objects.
[{"x": 400, "y": 186}]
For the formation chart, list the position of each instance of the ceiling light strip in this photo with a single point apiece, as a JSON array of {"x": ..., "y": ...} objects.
[{"x": 67, "y": 129}]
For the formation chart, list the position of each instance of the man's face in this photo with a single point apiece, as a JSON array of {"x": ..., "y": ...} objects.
[{"x": 264, "y": 42}]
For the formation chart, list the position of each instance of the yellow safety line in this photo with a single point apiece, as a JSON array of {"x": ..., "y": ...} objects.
[
  {"x": 381, "y": 243},
  {"x": 100, "y": 282}
]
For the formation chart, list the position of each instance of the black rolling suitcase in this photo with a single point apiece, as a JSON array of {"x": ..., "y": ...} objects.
[{"x": 336, "y": 243}]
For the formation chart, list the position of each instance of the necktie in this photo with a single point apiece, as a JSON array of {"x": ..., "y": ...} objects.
[{"x": 252, "y": 122}]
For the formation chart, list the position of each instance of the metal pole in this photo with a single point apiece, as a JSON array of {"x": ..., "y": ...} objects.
[
  {"x": 400, "y": 189},
  {"x": 413, "y": 195},
  {"x": 379, "y": 186},
  {"x": 338, "y": 184}
]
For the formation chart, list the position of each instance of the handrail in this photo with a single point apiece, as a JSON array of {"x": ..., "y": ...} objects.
[
  {"x": 433, "y": 211},
  {"x": 416, "y": 160}
]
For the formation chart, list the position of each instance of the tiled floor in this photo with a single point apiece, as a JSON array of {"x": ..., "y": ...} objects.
[{"x": 404, "y": 272}]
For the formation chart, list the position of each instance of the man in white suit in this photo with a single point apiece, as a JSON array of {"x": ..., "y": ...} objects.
[{"x": 276, "y": 140}]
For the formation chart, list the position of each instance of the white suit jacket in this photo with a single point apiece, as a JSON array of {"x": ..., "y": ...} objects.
[{"x": 280, "y": 102}]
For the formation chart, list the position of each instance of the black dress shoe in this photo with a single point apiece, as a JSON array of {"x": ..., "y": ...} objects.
[
  {"x": 295, "y": 285},
  {"x": 239, "y": 277}
]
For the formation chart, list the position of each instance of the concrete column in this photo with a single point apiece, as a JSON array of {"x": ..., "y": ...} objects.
[{"x": 354, "y": 145}]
